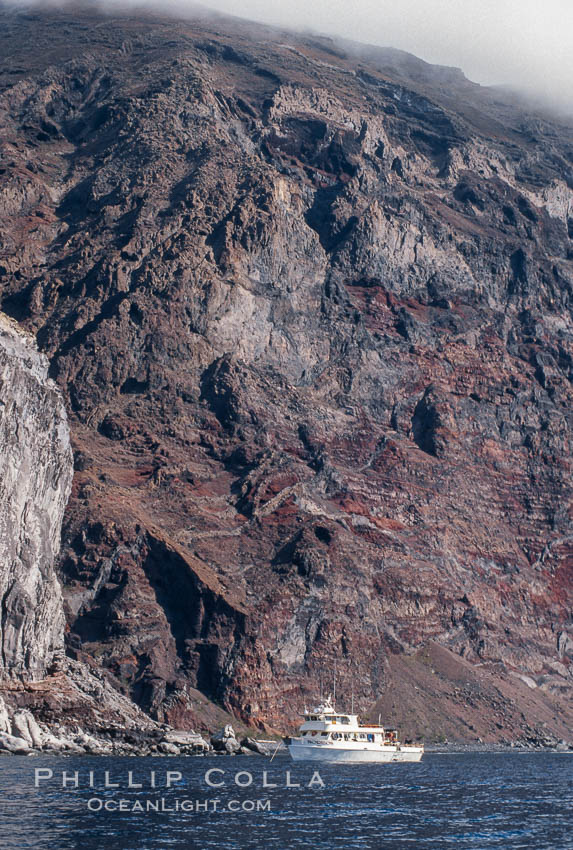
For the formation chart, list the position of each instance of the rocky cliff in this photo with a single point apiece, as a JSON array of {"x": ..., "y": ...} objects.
[
  {"x": 36, "y": 469},
  {"x": 310, "y": 307},
  {"x": 37, "y": 682}
]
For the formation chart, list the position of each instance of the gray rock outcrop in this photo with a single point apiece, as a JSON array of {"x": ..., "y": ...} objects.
[
  {"x": 36, "y": 469},
  {"x": 225, "y": 741},
  {"x": 262, "y": 748},
  {"x": 25, "y": 726}
]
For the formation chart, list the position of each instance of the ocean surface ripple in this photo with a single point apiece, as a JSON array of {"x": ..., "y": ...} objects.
[{"x": 467, "y": 801}]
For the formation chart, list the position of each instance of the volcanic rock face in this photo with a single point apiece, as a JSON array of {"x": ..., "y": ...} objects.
[
  {"x": 36, "y": 469},
  {"x": 311, "y": 311}
]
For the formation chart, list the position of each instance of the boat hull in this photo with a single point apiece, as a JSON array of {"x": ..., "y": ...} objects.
[{"x": 347, "y": 755}]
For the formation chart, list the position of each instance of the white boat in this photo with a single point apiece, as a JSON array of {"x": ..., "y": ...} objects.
[{"x": 330, "y": 735}]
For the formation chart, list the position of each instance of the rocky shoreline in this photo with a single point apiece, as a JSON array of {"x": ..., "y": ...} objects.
[{"x": 22, "y": 734}]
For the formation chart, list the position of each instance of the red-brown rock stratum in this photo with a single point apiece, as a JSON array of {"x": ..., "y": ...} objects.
[{"x": 310, "y": 309}]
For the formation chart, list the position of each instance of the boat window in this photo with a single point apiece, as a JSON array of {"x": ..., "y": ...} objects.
[{"x": 324, "y": 734}]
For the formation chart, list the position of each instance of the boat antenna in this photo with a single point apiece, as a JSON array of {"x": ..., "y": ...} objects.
[
  {"x": 334, "y": 688},
  {"x": 352, "y": 700}
]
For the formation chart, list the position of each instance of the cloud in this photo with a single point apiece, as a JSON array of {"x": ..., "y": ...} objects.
[
  {"x": 526, "y": 44},
  {"x": 523, "y": 44}
]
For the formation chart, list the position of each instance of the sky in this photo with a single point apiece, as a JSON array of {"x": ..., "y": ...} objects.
[{"x": 524, "y": 44}]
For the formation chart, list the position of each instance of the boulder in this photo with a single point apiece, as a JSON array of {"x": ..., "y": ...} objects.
[
  {"x": 53, "y": 744},
  {"x": 224, "y": 733},
  {"x": 25, "y": 726},
  {"x": 225, "y": 740},
  {"x": 257, "y": 747},
  {"x": 187, "y": 740},
  {"x": 13, "y": 744},
  {"x": 90, "y": 744},
  {"x": 168, "y": 749}
]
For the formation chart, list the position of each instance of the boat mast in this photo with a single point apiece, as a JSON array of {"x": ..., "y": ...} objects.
[{"x": 334, "y": 687}]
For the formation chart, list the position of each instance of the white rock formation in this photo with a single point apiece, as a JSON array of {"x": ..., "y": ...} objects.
[
  {"x": 36, "y": 470},
  {"x": 24, "y": 726}
]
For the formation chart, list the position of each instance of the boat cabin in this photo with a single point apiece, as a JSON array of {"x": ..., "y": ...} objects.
[{"x": 324, "y": 722}]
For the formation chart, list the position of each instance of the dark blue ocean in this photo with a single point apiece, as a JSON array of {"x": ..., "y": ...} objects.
[{"x": 468, "y": 801}]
